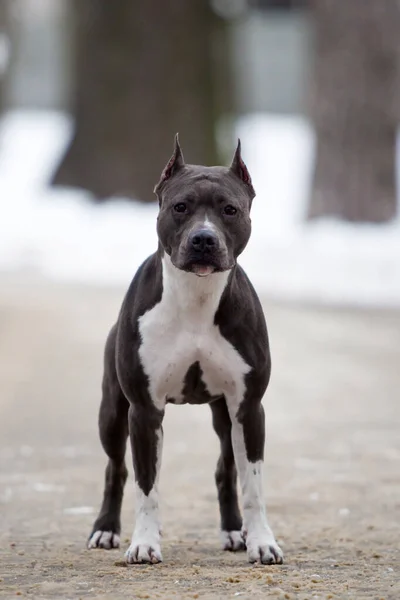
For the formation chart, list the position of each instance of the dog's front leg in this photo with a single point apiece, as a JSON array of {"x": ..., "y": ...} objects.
[
  {"x": 248, "y": 438},
  {"x": 146, "y": 435}
]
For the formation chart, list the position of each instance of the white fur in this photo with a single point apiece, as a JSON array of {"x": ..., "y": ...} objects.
[
  {"x": 210, "y": 225},
  {"x": 145, "y": 544},
  {"x": 175, "y": 333},
  {"x": 180, "y": 330},
  {"x": 260, "y": 541},
  {"x": 104, "y": 539},
  {"x": 232, "y": 540}
]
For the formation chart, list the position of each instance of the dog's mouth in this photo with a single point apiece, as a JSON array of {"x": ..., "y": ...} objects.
[
  {"x": 202, "y": 270},
  {"x": 202, "y": 265}
]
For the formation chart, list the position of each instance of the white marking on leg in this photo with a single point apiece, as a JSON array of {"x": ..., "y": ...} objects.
[
  {"x": 145, "y": 544},
  {"x": 260, "y": 541},
  {"x": 104, "y": 539},
  {"x": 232, "y": 540},
  {"x": 92, "y": 543}
]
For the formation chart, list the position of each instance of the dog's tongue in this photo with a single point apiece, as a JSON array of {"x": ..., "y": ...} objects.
[{"x": 202, "y": 270}]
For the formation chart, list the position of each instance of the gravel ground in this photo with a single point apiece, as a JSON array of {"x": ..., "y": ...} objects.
[{"x": 332, "y": 464}]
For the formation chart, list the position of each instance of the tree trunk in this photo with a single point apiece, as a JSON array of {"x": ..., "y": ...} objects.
[
  {"x": 3, "y": 50},
  {"x": 355, "y": 109},
  {"x": 143, "y": 72}
]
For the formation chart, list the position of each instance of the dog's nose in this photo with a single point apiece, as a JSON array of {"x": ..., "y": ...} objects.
[{"x": 203, "y": 240}]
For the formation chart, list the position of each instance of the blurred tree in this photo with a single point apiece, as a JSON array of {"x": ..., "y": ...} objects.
[
  {"x": 3, "y": 49},
  {"x": 280, "y": 4},
  {"x": 144, "y": 70},
  {"x": 355, "y": 108}
]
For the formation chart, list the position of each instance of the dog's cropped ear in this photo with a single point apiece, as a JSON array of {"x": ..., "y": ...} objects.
[
  {"x": 175, "y": 163},
  {"x": 240, "y": 170}
]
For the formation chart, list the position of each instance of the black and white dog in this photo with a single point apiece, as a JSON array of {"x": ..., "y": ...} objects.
[{"x": 191, "y": 329}]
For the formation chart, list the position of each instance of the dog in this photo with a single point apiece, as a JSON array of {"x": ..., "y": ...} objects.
[{"x": 191, "y": 330}]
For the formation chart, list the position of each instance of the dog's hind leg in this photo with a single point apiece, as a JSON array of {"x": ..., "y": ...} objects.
[
  {"x": 113, "y": 428},
  {"x": 225, "y": 478}
]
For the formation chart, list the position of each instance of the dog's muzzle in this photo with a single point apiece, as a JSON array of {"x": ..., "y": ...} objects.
[{"x": 203, "y": 253}]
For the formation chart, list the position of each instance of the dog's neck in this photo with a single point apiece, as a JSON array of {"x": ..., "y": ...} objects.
[{"x": 191, "y": 292}]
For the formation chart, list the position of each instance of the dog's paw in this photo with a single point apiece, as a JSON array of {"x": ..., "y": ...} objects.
[
  {"x": 143, "y": 551},
  {"x": 263, "y": 550},
  {"x": 232, "y": 541},
  {"x": 104, "y": 539}
]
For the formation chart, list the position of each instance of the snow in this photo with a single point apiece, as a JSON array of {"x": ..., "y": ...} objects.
[{"x": 60, "y": 234}]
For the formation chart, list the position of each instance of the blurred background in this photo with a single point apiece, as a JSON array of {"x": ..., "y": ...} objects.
[{"x": 92, "y": 93}]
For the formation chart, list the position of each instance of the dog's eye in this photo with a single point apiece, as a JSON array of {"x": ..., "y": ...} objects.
[
  {"x": 180, "y": 207},
  {"x": 230, "y": 210}
]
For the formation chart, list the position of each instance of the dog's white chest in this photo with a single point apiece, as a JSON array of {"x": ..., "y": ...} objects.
[{"x": 179, "y": 331}]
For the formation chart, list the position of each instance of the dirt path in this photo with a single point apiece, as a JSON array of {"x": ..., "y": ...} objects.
[{"x": 332, "y": 468}]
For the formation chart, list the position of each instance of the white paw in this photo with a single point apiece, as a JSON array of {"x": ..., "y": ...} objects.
[
  {"x": 232, "y": 541},
  {"x": 104, "y": 539},
  {"x": 262, "y": 548},
  {"x": 145, "y": 550}
]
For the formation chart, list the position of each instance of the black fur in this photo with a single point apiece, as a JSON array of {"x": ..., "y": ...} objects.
[
  {"x": 126, "y": 406},
  {"x": 241, "y": 321},
  {"x": 194, "y": 390},
  {"x": 225, "y": 475}
]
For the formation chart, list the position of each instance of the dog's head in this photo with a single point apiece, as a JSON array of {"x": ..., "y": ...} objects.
[{"x": 204, "y": 218}]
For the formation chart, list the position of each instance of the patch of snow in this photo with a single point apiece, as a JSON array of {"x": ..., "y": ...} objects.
[{"x": 60, "y": 234}]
